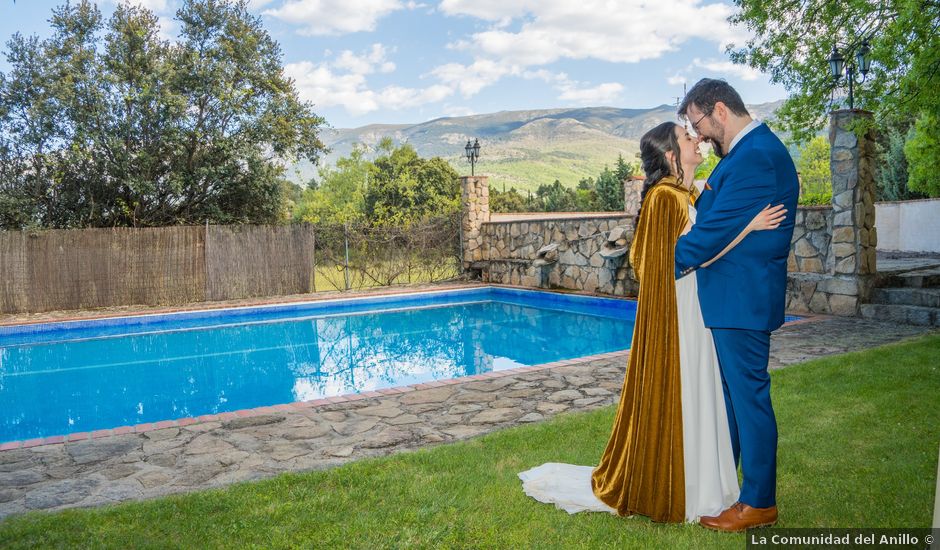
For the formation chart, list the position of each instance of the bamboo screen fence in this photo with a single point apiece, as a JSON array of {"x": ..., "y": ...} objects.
[{"x": 91, "y": 268}]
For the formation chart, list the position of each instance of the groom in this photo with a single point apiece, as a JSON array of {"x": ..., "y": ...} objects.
[{"x": 742, "y": 294}]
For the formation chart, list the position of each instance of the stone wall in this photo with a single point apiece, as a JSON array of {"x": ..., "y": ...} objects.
[
  {"x": 809, "y": 249},
  {"x": 832, "y": 261},
  {"x": 632, "y": 189},
  {"x": 512, "y": 249},
  {"x": 475, "y": 207},
  {"x": 832, "y": 255}
]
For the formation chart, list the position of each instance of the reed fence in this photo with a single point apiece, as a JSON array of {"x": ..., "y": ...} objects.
[{"x": 93, "y": 268}]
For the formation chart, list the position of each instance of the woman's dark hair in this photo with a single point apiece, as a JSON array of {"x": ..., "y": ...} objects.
[{"x": 653, "y": 147}]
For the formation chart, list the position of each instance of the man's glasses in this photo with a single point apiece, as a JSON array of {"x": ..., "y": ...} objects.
[{"x": 699, "y": 121}]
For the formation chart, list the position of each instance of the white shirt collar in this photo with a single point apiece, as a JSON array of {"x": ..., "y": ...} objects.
[{"x": 744, "y": 131}]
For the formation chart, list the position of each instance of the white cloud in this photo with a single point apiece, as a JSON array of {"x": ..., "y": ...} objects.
[
  {"x": 366, "y": 63},
  {"x": 602, "y": 94},
  {"x": 578, "y": 92},
  {"x": 491, "y": 10},
  {"x": 547, "y": 31},
  {"x": 728, "y": 68},
  {"x": 677, "y": 79},
  {"x": 624, "y": 31},
  {"x": 330, "y": 17},
  {"x": 470, "y": 79},
  {"x": 326, "y": 86}
]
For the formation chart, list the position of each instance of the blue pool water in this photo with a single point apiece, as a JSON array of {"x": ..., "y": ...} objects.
[{"x": 60, "y": 378}]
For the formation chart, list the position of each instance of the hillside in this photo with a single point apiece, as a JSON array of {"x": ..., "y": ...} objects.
[{"x": 520, "y": 149}]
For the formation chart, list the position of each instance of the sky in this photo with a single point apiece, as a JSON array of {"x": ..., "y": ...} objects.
[{"x": 404, "y": 61}]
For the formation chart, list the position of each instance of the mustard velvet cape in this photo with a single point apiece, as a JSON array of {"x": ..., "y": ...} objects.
[{"x": 642, "y": 470}]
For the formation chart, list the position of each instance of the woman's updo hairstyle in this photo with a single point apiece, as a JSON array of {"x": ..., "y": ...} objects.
[{"x": 653, "y": 147}]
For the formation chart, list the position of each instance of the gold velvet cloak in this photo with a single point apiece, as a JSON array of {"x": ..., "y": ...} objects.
[{"x": 641, "y": 470}]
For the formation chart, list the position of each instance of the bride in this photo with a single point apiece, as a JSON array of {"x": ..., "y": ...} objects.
[{"x": 669, "y": 454}]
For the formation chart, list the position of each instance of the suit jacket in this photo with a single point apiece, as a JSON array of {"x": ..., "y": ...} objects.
[{"x": 746, "y": 288}]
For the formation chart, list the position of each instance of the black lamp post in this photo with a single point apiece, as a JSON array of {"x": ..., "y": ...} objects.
[
  {"x": 473, "y": 153},
  {"x": 862, "y": 64}
]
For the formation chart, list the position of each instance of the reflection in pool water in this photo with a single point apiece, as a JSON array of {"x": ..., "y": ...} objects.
[{"x": 74, "y": 385}]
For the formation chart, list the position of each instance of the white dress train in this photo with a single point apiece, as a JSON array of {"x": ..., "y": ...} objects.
[{"x": 711, "y": 481}]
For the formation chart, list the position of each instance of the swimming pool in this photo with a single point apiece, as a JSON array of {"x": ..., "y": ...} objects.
[{"x": 79, "y": 376}]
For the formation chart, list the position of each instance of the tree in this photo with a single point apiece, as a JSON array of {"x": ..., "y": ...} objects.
[
  {"x": 107, "y": 124},
  {"x": 340, "y": 196},
  {"x": 586, "y": 200},
  {"x": 922, "y": 155},
  {"x": 792, "y": 42},
  {"x": 405, "y": 188},
  {"x": 708, "y": 164},
  {"x": 624, "y": 169},
  {"x": 506, "y": 201},
  {"x": 891, "y": 174},
  {"x": 813, "y": 167},
  {"x": 555, "y": 197},
  {"x": 609, "y": 191}
]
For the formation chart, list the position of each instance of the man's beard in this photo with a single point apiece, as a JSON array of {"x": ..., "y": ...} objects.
[
  {"x": 716, "y": 147},
  {"x": 716, "y": 142}
]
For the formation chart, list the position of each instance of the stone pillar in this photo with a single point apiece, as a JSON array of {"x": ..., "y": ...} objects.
[
  {"x": 475, "y": 208},
  {"x": 852, "y": 249},
  {"x": 632, "y": 188}
]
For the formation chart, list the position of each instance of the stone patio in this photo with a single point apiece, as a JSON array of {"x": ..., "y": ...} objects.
[{"x": 197, "y": 455}]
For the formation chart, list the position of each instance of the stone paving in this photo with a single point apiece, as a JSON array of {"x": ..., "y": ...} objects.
[{"x": 199, "y": 455}]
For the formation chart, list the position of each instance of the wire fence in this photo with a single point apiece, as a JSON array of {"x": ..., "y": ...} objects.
[
  {"x": 357, "y": 256},
  {"x": 92, "y": 268}
]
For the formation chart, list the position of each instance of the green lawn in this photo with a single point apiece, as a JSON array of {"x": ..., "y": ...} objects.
[
  {"x": 858, "y": 448},
  {"x": 333, "y": 277}
]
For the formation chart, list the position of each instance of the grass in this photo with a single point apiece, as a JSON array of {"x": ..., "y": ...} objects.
[
  {"x": 333, "y": 277},
  {"x": 858, "y": 448}
]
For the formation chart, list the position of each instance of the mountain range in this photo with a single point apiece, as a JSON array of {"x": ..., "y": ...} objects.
[{"x": 520, "y": 149}]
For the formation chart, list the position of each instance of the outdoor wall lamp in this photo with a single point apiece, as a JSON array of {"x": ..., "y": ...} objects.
[
  {"x": 837, "y": 64},
  {"x": 473, "y": 153}
]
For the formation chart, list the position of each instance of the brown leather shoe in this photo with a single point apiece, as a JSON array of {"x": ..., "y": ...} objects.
[{"x": 740, "y": 517}]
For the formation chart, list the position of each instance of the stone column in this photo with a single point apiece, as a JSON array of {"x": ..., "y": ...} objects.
[
  {"x": 475, "y": 208},
  {"x": 632, "y": 188},
  {"x": 852, "y": 249}
]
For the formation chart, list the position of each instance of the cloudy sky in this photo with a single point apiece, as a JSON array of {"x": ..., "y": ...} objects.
[{"x": 406, "y": 61}]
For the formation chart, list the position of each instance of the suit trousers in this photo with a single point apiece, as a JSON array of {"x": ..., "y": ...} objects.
[{"x": 742, "y": 357}]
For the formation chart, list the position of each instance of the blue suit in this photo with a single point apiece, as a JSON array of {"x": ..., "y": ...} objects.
[{"x": 743, "y": 294}]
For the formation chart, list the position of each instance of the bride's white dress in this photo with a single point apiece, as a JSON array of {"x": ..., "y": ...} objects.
[{"x": 711, "y": 481}]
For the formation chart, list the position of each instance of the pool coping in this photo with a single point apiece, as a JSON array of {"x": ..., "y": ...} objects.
[
  {"x": 345, "y": 398},
  {"x": 378, "y": 299},
  {"x": 297, "y": 405}
]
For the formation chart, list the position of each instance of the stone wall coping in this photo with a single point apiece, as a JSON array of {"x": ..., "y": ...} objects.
[
  {"x": 549, "y": 216},
  {"x": 814, "y": 207},
  {"x": 908, "y": 201}
]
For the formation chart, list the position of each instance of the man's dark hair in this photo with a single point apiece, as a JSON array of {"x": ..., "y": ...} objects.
[{"x": 709, "y": 91}]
